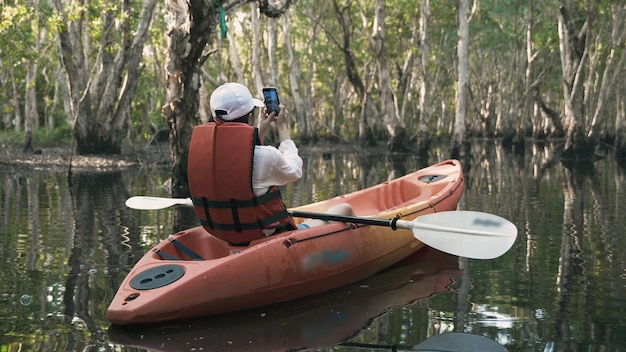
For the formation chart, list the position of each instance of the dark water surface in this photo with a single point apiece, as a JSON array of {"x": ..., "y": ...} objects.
[{"x": 562, "y": 287}]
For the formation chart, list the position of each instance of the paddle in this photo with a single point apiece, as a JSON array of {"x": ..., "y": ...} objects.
[
  {"x": 467, "y": 234},
  {"x": 155, "y": 203}
]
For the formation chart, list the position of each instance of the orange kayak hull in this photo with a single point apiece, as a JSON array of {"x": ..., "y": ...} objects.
[
  {"x": 193, "y": 273},
  {"x": 307, "y": 323}
]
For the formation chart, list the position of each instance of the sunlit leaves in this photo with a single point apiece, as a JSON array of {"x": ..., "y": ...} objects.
[{"x": 12, "y": 16}]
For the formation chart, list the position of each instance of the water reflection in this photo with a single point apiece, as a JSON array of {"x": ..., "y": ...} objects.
[
  {"x": 561, "y": 287},
  {"x": 322, "y": 320}
]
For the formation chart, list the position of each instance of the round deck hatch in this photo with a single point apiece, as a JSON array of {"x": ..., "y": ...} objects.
[
  {"x": 432, "y": 178},
  {"x": 156, "y": 277}
]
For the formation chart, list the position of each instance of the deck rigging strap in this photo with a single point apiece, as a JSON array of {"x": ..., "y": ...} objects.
[
  {"x": 188, "y": 252},
  {"x": 164, "y": 255}
]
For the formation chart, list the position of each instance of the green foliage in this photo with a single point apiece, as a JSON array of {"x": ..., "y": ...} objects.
[
  {"x": 13, "y": 16},
  {"x": 61, "y": 135},
  {"x": 497, "y": 49},
  {"x": 147, "y": 102}
]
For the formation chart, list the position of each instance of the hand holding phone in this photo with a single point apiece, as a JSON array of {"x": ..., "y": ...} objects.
[{"x": 270, "y": 95}]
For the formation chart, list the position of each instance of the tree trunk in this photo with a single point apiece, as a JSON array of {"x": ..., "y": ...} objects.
[
  {"x": 365, "y": 135},
  {"x": 72, "y": 56},
  {"x": 301, "y": 109},
  {"x": 308, "y": 80},
  {"x": 31, "y": 115},
  {"x": 620, "y": 131},
  {"x": 574, "y": 54},
  {"x": 189, "y": 29},
  {"x": 406, "y": 73},
  {"x": 101, "y": 102},
  {"x": 512, "y": 123},
  {"x": 234, "y": 57},
  {"x": 458, "y": 147},
  {"x": 257, "y": 76},
  {"x": 530, "y": 112},
  {"x": 423, "y": 131},
  {"x": 30, "y": 107},
  {"x": 64, "y": 94},
  {"x": 272, "y": 42},
  {"x": 612, "y": 65},
  {"x": 389, "y": 110},
  {"x": 15, "y": 101}
]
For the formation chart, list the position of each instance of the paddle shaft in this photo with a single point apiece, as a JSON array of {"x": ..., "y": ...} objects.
[{"x": 343, "y": 218}]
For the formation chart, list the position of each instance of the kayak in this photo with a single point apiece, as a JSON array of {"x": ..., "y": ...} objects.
[
  {"x": 193, "y": 274},
  {"x": 307, "y": 323}
]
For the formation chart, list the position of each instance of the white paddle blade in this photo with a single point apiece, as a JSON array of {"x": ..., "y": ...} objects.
[
  {"x": 155, "y": 203},
  {"x": 467, "y": 234}
]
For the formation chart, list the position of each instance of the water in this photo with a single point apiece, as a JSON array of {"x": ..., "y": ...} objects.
[{"x": 562, "y": 287}]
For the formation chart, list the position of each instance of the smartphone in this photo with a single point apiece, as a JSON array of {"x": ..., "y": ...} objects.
[{"x": 270, "y": 94}]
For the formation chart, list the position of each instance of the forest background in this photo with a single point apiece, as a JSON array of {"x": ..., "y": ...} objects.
[{"x": 400, "y": 73}]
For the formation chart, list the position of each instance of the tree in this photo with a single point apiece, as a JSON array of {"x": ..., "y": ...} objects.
[
  {"x": 613, "y": 63},
  {"x": 344, "y": 19},
  {"x": 191, "y": 27},
  {"x": 388, "y": 102},
  {"x": 423, "y": 131},
  {"x": 620, "y": 131},
  {"x": 103, "y": 81},
  {"x": 30, "y": 101},
  {"x": 23, "y": 35},
  {"x": 574, "y": 54},
  {"x": 462, "y": 83},
  {"x": 300, "y": 105},
  {"x": 590, "y": 68},
  {"x": 341, "y": 72}
]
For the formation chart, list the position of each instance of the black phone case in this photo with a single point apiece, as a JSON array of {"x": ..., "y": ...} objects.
[{"x": 271, "y": 100}]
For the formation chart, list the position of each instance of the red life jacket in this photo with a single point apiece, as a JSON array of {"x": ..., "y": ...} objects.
[{"x": 220, "y": 181}]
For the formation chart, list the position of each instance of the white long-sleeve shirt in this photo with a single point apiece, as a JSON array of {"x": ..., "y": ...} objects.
[{"x": 275, "y": 167}]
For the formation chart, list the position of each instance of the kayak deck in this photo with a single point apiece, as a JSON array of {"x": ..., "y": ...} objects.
[{"x": 194, "y": 274}]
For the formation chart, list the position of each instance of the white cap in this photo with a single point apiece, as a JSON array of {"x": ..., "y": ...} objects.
[{"x": 234, "y": 100}]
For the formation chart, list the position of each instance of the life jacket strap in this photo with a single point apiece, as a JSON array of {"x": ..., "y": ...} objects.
[
  {"x": 239, "y": 227},
  {"x": 234, "y": 205},
  {"x": 228, "y": 204}
]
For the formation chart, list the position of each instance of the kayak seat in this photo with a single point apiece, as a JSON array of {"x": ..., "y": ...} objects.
[
  {"x": 389, "y": 196},
  {"x": 194, "y": 244},
  {"x": 386, "y": 196}
]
